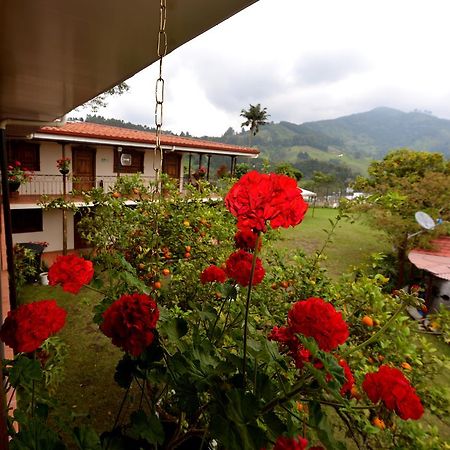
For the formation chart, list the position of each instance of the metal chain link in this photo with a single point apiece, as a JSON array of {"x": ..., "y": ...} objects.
[{"x": 159, "y": 88}]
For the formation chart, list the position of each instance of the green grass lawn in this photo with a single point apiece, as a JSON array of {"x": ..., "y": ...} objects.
[
  {"x": 351, "y": 243},
  {"x": 88, "y": 387}
]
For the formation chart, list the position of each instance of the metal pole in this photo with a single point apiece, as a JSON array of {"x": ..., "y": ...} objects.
[
  {"x": 7, "y": 220},
  {"x": 64, "y": 210},
  {"x": 209, "y": 163},
  {"x": 189, "y": 167}
]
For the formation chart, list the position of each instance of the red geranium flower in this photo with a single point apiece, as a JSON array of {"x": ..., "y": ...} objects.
[
  {"x": 391, "y": 387},
  {"x": 286, "y": 443},
  {"x": 239, "y": 266},
  {"x": 130, "y": 322},
  {"x": 28, "y": 326},
  {"x": 72, "y": 272},
  {"x": 213, "y": 273},
  {"x": 260, "y": 198},
  {"x": 317, "y": 318},
  {"x": 246, "y": 240},
  {"x": 349, "y": 379},
  {"x": 285, "y": 336}
]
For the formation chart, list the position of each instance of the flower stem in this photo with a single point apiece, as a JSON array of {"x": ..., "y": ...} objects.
[
  {"x": 94, "y": 289},
  {"x": 217, "y": 319},
  {"x": 375, "y": 336},
  {"x": 247, "y": 306},
  {"x": 121, "y": 406}
]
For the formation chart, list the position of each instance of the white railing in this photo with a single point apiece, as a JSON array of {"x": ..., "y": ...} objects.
[{"x": 53, "y": 184}]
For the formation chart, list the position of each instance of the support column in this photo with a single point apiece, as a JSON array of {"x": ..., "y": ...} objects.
[
  {"x": 233, "y": 165},
  {"x": 207, "y": 168},
  {"x": 7, "y": 220},
  {"x": 64, "y": 210},
  {"x": 200, "y": 160},
  {"x": 189, "y": 167}
]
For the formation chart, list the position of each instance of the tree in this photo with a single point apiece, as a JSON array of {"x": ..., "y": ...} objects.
[
  {"x": 101, "y": 100},
  {"x": 289, "y": 170},
  {"x": 255, "y": 117},
  {"x": 403, "y": 183}
]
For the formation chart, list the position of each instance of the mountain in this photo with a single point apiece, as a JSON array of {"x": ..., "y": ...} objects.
[
  {"x": 347, "y": 143},
  {"x": 382, "y": 129}
]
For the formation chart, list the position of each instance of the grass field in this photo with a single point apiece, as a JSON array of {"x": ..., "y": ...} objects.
[{"x": 351, "y": 243}]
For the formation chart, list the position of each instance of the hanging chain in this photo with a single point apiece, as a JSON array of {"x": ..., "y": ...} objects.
[{"x": 159, "y": 88}]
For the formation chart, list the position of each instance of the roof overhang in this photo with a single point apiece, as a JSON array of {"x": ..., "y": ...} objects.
[
  {"x": 439, "y": 266},
  {"x": 142, "y": 145},
  {"x": 435, "y": 260},
  {"x": 55, "y": 55}
]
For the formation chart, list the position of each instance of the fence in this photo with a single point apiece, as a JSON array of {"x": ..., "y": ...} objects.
[{"x": 53, "y": 184}]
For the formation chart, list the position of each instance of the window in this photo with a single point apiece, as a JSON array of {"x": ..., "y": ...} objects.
[
  {"x": 25, "y": 152},
  {"x": 26, "y": 220},
  {"x": 135, "y": 165}
]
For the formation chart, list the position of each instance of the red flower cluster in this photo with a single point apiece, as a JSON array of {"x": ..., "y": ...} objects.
[
  {"x": 286, "y": 443},
  {"x": 317, "y": 318},
  {"x": 212, "y": 274},
  {"x": 130, "y": 322},
  {"x": 28, "y": 326},
  {"x": 260, "y": 198},
  {"x": 285, "y": 336},
  {"x": 349, "y": 379},
  {"x": 239, "y": 266},
  {"x": 72, "y": 272},
  {"x": 391, "y": 387},
  {"x": 246, "y": 240}
]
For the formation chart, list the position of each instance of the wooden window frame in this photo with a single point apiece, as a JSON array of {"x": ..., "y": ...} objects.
[
  {"x": 16, "y": 147},
  {"x": 27, "y": 220},
  {"x": 137, "y": 158}
]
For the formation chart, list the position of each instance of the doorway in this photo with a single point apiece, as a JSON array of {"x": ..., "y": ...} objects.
[
  {"x": 171, "y": 165},
  {"x": 83, "y": 168}
]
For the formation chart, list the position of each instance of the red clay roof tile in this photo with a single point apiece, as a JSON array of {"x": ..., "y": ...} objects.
[
  {"x": 440, "y": 247},
  {"x": 94, "y": 130}
]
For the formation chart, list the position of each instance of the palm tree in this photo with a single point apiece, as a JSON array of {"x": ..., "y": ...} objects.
[{"x": 255, "y": 116}]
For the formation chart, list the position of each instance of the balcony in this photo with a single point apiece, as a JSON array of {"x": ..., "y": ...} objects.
[{"x": 52, "y": 186}]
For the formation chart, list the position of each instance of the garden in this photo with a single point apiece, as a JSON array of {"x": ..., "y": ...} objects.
[{"x": 202, "y": 323}]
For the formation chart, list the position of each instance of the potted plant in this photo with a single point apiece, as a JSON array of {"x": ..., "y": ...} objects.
[
  {"x": 17, "y": 174},
  {"x": 200, "y": 173},
  {"x": 63, "y": 165}
]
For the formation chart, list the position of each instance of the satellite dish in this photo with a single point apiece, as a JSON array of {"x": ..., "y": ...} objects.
[{"x": 424, "y": 220}]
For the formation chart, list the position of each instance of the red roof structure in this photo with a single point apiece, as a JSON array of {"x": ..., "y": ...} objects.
[
  {"x": 436, "y": 259},
  {"x": 89, "y": 130}
]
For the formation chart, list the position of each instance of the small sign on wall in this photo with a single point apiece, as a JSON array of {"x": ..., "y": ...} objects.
[{"x": 125, "y": 159}]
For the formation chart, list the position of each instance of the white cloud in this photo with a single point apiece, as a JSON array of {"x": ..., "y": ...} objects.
[{"x": 303, "y": 61}]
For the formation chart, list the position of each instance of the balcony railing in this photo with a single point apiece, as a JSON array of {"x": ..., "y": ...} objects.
[{"x": 53, "y": 184}]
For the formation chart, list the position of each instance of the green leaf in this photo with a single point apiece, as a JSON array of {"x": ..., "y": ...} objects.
[
  {"x": 125, "y": 371},
  {"x": 175, "y": 328},
  {"x": 24, "y": 371},
  {"x": 318, "y": 420},
  {"x": 274, "y": 424},
  {"x": 34, "y": 434},
  {"x": 146, "y": 427},
  {"x": 86, "y": 438}
]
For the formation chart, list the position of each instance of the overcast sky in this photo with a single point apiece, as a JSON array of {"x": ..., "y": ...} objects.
[{"x": 304, "y": 61}]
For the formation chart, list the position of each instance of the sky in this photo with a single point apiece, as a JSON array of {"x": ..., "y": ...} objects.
[{"x": 303, "y": 61}]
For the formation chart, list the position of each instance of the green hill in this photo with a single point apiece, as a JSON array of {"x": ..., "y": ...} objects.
[{"x": 346, "y": 144}]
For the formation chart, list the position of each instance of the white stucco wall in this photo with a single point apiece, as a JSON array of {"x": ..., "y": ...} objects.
[
  {"x": 49, "y": 153},
  {"x": 52, "y": 231}
]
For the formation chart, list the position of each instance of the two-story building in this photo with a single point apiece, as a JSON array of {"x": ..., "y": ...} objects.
[{"x": 99, "y": 154}]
